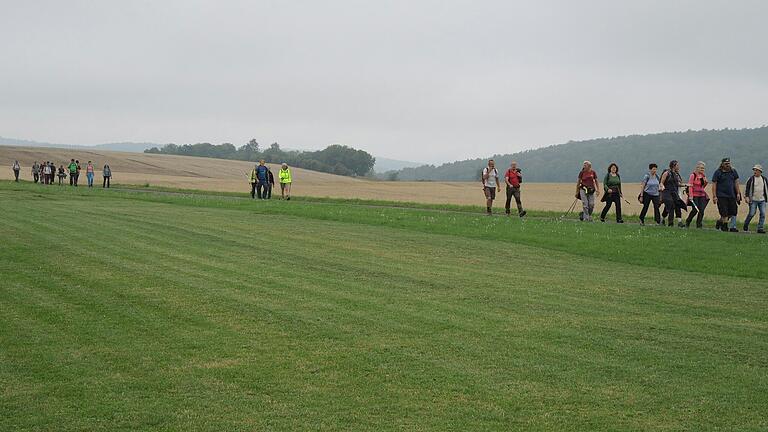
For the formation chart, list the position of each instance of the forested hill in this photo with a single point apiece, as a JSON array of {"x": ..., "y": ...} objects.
[{"x": 561, "y": 163}]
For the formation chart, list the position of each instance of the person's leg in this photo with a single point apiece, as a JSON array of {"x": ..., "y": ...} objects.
[
  {"x": 518, "y": 201},
  {"x": 509, "y": 200},
  {"x": 282, "y": 190},
  {"x": 761, "y": 221},
  {"x": 606, "y": 208},
  {"x": 619, "y": 218},
  {"x": 701, "y": 203},
  {"x": 584, "y": 204},
  {"x": 591, "y": 201},
  {"x": 253, "y": 190},
  {"x": 691, "y": 214},
  {"x": 269, "y": 190},
  {"x": 656, "y": 209},
  {"x": 71, "y": 180},
  {"x": 750, "y": 215},
  {"x": 109, "y": 179},
  {"x": 103, "y": 182},
  {"x": 644, "y": 210},
  {"x": 16, "y": 175},
  {"x": 288, "y": 191},
  {"x": 488, "y": 199},
  {"x": 258, "y": 190}
]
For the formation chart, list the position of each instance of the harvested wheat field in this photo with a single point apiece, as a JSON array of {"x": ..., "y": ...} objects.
[{"x": 229, "y": 175}]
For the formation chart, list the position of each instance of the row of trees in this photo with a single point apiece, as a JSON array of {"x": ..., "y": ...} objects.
[
  {"x": 561, "y": 163},
  {"x": 334, "y": 159}
]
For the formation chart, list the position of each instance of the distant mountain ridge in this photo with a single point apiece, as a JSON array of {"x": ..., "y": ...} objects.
[
  {"x": 131, "y": 147},
  {"x": 633, "y": 153}
]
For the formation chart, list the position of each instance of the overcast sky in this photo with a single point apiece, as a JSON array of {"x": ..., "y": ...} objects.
[{"x": 416, "y": 80}]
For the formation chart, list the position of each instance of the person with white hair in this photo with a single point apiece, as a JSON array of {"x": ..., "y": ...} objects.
[
  {"x": 586, "y": 190},
  {"x": 697, "y": 195},
  {"x": 756, "y": 195},
  {"x": 284, "y": 175},
  {"x": 16, "y": 169}
]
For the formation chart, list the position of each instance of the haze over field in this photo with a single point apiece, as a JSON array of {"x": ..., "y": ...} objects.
[{"x": 430, "y": 81}]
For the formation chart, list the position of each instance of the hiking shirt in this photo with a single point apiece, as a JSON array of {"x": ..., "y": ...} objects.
[
  {"x": 672, "y": 183},
  {"x": 261, "y": 173},
  {"x": 89, "y": 169},
  {"x": 612, "y": 182},
  {"x": 513, "y": 177},
  {"x": 72, "y": 168},
  {"x": 492, "y": 175},
  {"x": 16, "y": 166},
  {"x": 587, "y": 178},
  {"x": 757, "y": 188},
  {"x": 696, "y": 185},
  {"x": 107, "y": 171},
  {"x": 651, "y": 184},
  {"x": 35, "y": 168},
  {"x": 284, "y": 175},
  {"x": 726, "y": 183}
]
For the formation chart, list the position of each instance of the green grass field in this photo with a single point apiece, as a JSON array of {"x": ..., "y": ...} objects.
[{"x": 155, "y": 311}]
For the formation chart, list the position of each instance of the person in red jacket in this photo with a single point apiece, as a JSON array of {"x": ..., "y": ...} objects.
[{"x": 513, "y": 177}]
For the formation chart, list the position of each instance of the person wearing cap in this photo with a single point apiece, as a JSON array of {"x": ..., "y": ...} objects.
[
  {"x": 586, "y": 190},
  {"x": 756, "y": 194},
  {"x": 726, "y": 193},
  {"x": 284, "y": 175}
]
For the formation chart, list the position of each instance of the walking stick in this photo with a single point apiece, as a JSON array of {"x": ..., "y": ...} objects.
[{"x": 570, "y": 209}]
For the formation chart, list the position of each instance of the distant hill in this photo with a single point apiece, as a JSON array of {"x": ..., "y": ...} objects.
[
  {"x": 131, "y": 147},
  {"x": 561, "y": 163},
  {"x": 384, "y": 164}
]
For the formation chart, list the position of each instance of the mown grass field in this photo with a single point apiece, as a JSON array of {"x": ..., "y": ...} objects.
[{"x": 155, "y": 311}]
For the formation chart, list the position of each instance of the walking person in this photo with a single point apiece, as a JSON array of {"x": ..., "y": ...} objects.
[
  {"x": 650, "y": 194},
  {"x": 726, "y": 193},
  {"x": 697, "y": 195},
  {"x": 106, "y": 173},
  {"x": 491, "y": 185},
  {"x": 612, "y": 193},
  {"x": 62, "y": 175},
  {"x": 16, "y": 169},
  {"x": 89, "y": 171},
  {"x": 52, "y": 179},
  {"x": 262, "y": 178},
  {"x": 670, "y": 194},
  {"x": 756, "y": 194},
  {"x": 46, "y": 173},
  {"x": 270, "y": 183},
  {"x": 77, "y": 173},
  {"x": 514, "y": 178},
  {"x": 36, "y": 172},
  {"x": 284, "y": 175},
  {"x": 253, "y": 180},
  {"x": 72, "y": 171},
  {"x": 586, "y": 190}
]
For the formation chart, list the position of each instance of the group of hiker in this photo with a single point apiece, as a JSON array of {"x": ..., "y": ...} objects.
[
  {"x": 46, "y": 173},
  {"x": 262, "y": 181},
  {"x": 668, "y": 189}
]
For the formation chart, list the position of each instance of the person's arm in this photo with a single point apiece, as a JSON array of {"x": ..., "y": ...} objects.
[
  {"x": 662, "y": 180},
  {"x": 485, "y": 175},
  {"x": 738, "y": 189},
  {"x": 498, "y": 184},
  {"x": 506, "y": 180},
  {"x": 597, "y": 185},
  {"x": 714, "y": 191}
]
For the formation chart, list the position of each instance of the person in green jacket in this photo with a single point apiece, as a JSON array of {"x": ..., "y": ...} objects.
[
  {"x": 285, "y": 181},
  {"x": 612, "y": 192},
  {"x": 72, "y": 172}
]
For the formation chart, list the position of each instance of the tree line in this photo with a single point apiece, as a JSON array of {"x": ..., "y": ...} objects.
[
  {"x": 334, "y": 159},
  {"x": 561, "y": 163}
]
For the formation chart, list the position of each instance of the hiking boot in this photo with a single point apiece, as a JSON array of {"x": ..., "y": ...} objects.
[
  {"x": 718, "y": 224},
  {"x": 581, "y": 217},
  {"x": 746, "y": 228},
  {"x": 681, "y": 225},
  {"x": 761, "y": 231},
  {"x": 734, "y": 230},
  {"x": 642, "y": 222},
  {"x": 620, "y": 221},
  {"x": 523, "y": 213},
  {"x": 602, "y": 219}
]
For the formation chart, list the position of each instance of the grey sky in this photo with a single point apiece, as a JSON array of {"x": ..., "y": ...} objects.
[{"x": 417, "y": 80}]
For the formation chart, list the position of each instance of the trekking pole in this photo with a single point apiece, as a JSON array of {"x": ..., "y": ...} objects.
[{"x": 570, "y": 209}]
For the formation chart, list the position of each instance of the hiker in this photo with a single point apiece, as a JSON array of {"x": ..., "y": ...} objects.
[
  {"x": 284, "y": 175},
  {"x": 670, "y": 194},
  {"x": 756, "y": 194},
  {"x": 16, "y": 169},
  {"x": 270, "y": 183},
  {"x": 586, "y": 189},
  {"x": 262, "y": 179},
  {"x": 89, "y": 171},
  {"x": 253, "y": 180},
  {"x": 650, "y": 194},
  {"x": 107, "y": 174},
  {"x": 697, "y": 195},
  {"x": 35, "y": 172},
  {"x": 514, "y": 178},
  {"x": 612, "y": 192},
  {"x": 77, "y": 173},
  {"x": 490, "y": 184},
  {"x": 726, "y": 193},
  {"x": 72, "y": 172},
  {"x": 62, "y": 175},
  {"x": 47, "y": 173}
]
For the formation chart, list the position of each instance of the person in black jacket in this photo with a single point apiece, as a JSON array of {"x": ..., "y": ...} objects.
[
  {"x": 670, "y": 194},
  {"x": 756, "y": 195},
  {"x": 270, "y": 184}
]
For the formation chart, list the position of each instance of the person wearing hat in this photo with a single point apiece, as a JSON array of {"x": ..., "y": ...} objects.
[
  {"x": 284, "y": 175},
  {"x": 756, "y": 194},
  {"x": 726, "y": 193}
]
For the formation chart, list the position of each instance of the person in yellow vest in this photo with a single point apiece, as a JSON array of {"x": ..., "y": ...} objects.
[
  {"x": 254, "y": 180},
  {"x": 285, "y": 181}
]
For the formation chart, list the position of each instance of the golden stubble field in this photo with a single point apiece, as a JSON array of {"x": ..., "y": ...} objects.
[{"x": 231, "y": 176}]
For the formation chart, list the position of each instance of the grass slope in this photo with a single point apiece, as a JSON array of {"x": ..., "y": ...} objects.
[{"x": 125, "y": 311}]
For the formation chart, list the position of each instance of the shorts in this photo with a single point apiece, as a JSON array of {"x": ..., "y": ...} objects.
[
  {"x": 282, "y": 185},
  {"x": 727, "y": 206},
  {"x": 490, "y": 193}
]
